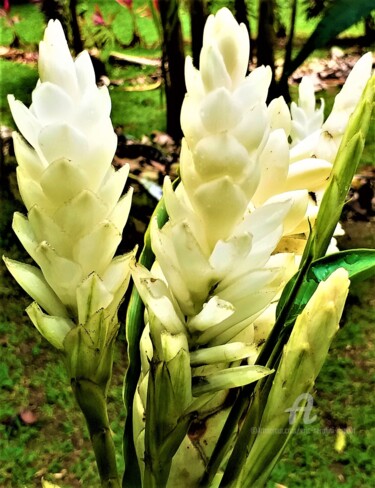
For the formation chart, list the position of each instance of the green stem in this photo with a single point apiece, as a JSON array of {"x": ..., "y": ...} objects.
[{"x": 92, "y": 401}]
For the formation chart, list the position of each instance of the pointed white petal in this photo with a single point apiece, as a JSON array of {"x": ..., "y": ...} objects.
[
  {"x": 230, "y": 253},
  {"x": 305, "y": 148},
  {"x": 27, "y": 157},
  {"x": 311, "y": 174},
  {"x": 194, "y": 86},
  {"x": 84, "y": 71},
  {"x": 256, "y": 118},
  {"x": 63, "y": 275},
  {"x": 78, "y": 216},
  {"x": 254, "y": 89},
  {"x": 191, "y": 261},
  {"x": 213, "y": 70},
  {"x": 51, "y": 104},
  {"x": 31, "y": 191},
  {"x": 27, "y": 123},
  {"x": 219, "y": 111},
  {"x": 297, "y": 201},
  {"x": 245, "y": 284},
  {"x": 52, "y": 328},
  {"x": 274, "y": 164},
  {"x": 348, "y": 97},
  {"x": 120, "y": 213},
  {"x": 31, "y": 279},
  {"x": 191, "y": 122},
  {"x": 113, "y": 185},
  {"x": 212, "y": 313},
  {"x": 221, "y": 204},
  {"x": 155, "y": 295},
  {"x": 46, "y": 229},
  {"x": 226, "y": 353},
  {"x": 165, "y": 252},
  {"x": 55, "y": 61},
  {"x": 62, "y": 141},
  {"x": 117, "y": 272},
  {"x": 25, "y": 234},
  {"x": 263, "y": 220},
  {"x": 279, "y": 115},
  {"x": 95, "y": 251},
  {"x": 229, "y": 378},
  {"x": 64, "y": 171},
  {"x": 218, "y": 155},
  {"x": 92, "y": 295}
]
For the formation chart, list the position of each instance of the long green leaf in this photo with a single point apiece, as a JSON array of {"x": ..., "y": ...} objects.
[
  {"x": 337, "y": 18},
  {"x": 134, "y": 328}
]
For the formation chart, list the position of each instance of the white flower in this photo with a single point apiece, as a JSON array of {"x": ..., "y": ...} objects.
[
  {"x": 214, "y": 273},
  {"x": 306, "y": 119},
  {"x": 76, "y": 213}
]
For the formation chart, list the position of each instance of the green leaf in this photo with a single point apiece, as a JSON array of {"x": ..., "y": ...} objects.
[
  {"x": 134, "y": 328},
  {"x": 166, "y": 423},
  {"x": 360, "y": 264},
  {"x": 337, "y": 18}
]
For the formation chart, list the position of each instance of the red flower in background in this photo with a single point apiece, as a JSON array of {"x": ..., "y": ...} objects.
[
  {"x": 126, "y": 3},
  {"x": 97, "y": 16}
]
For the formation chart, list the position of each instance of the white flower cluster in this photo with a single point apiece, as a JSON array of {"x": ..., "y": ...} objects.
[
  {"x": 237, "y": 218},
  {"x": 72, "y": 193}
]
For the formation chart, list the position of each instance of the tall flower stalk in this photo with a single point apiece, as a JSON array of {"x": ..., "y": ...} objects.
[
  {"x": 75, "y": 218},
  {"x": 237, "y": 227}
]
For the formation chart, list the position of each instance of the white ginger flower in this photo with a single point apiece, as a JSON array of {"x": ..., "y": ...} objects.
[
  {"x": 214, "y": 273},
  {"x": 219, "y": 264},
  {"x": 76, "y": 214},
  {"x": 308, "y": 162},
  {"x": 306, "y": 119},
  {"x": 325, "y": 141}
]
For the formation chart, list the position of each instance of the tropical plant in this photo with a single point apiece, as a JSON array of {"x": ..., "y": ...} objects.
[{"x": 235, "y": 301}]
